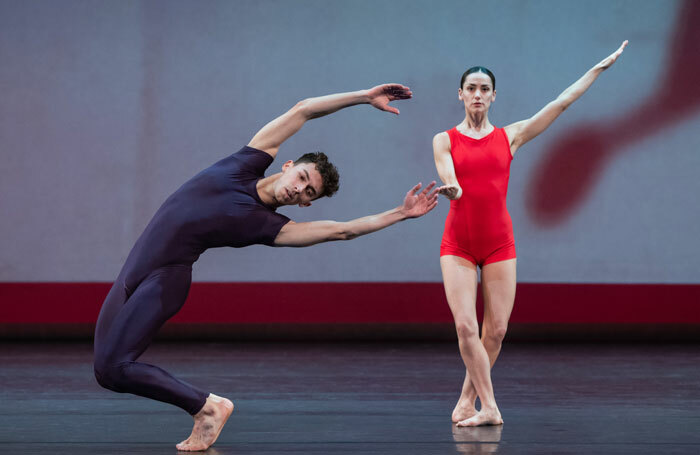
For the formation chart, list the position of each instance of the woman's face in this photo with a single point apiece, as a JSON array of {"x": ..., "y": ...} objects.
[{"x": 477, "y": 93}]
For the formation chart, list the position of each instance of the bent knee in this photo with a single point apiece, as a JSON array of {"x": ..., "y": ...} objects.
[
  {"x": 109, "y": 375},
  {"x": 495, "y": 335},
  {"x": 467, "y": 329}
]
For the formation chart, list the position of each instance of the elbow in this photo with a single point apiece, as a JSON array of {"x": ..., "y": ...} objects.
[
  {"x": 344, "y": 236},
  {"x": 303, "y": 108},
  {"x": 563, "y": 102},
  {"x": 343, "y": 233}
]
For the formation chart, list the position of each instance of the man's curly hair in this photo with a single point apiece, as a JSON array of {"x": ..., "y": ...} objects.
[{"x": 329, "y": 173}]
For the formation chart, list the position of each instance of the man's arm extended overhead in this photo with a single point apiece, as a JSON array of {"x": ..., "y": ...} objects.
[{"x": 272, "y": 135}]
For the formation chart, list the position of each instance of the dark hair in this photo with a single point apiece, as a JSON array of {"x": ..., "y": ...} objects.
[
  {"x": 329, "y": 174},
  {"x": 478, "y": 69}
]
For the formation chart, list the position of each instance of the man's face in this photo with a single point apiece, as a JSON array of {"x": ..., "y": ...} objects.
[{"x": 299, "y": 184}]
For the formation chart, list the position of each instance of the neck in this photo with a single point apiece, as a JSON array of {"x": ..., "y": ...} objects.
[
  {"x": 266, "y": 189},
  {"x": 476, "y": 121}
]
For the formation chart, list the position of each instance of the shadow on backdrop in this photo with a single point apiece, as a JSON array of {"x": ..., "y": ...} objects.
[{"x": 569, "y": 170}]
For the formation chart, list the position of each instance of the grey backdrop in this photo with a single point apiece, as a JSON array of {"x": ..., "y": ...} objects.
[{"x": 107, "y": 107}]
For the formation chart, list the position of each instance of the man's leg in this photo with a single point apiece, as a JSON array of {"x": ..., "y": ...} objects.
[
  {"x": 126, "y": 329},
  {"x": 126, "y": 326}
]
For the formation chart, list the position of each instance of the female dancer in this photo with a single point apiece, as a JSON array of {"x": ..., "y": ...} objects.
[{"x": 473, "y": 160}]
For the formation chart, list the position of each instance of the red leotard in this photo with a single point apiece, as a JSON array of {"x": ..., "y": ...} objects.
[{"x": 478, "y": 227}]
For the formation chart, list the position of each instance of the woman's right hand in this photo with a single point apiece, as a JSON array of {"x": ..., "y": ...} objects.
[{"x": 451, "y": 192}]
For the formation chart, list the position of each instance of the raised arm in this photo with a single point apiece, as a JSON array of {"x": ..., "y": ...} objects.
[
  {"x": 272, "y": 135},
  {"x": 445, "y": 167},
  {"x": 416, "y": 203},
  {"x": 521, "y": 132}
]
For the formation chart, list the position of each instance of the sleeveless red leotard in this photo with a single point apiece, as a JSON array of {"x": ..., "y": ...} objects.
[{"x": 478, "y": 227}]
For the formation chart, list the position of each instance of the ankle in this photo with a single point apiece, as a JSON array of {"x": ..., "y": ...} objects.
[
  {"x": 490, "y": 409},
  {"x": 207, "y": 410},
  {"x": 465, "y": 403}
]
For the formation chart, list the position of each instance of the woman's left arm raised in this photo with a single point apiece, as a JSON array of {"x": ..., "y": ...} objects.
[{"x": 523, "y": 131}]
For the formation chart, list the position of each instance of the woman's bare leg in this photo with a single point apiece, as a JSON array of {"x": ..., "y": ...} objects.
[
  {"x": 498, "y": 282},
  {"x": 460, "y": 277}
]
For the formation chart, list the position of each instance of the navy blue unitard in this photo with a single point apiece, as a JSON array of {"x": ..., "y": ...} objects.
[{"x": 218, "y": 207}]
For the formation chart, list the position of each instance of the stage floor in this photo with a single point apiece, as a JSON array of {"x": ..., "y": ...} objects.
[{"x": 320, "y": 398}]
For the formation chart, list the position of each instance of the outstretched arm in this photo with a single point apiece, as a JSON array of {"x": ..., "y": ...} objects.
[
  {"x": 521, "y": 132},
  {"x": 415, "y": 204},
  {"x": 272, "y": 135},
  {"x": 445, "y": 167}
]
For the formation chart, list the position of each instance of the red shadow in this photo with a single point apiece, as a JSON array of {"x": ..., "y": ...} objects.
[{"x": 569, "y": 170}]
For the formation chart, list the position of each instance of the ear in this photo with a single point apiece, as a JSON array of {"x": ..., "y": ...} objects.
[
  {"x": 305, "y": 204},
  {"x": 459, "y": 94},
  {"x": 494, "y": 96},
  {"x": 287, "y": 165}
]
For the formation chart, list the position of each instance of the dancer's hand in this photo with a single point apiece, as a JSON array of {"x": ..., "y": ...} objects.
[
  {"x": 417, "y": 204},
  {"x": 451, "y": 192},
  {"x": 609, "y": 60},
  {"x": 381, "y": 95}
]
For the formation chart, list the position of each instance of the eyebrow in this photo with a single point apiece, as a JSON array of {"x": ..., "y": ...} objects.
[{"x": 309, "y": 179}]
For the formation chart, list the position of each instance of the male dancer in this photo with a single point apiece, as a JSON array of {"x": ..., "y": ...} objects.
[{"x": 228, "y": 204}]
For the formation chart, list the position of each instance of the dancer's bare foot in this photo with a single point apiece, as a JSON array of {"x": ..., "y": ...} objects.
[
  {"x": 489, "y": 416},
  {"x": 207, "y": 424},
  {"x": 465, "y": 407},
  {"x": 463, "y": 410}
]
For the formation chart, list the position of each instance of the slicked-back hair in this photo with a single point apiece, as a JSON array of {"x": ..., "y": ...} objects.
[
  {"x": 329, "y": 173},
  {"x": 478, "y": 69}
]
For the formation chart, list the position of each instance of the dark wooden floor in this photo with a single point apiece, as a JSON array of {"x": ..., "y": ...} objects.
[{"x": 361, "y": 398}]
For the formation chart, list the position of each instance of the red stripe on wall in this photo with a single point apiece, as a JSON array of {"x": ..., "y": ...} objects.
[{"x": 254, "y": 303}]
